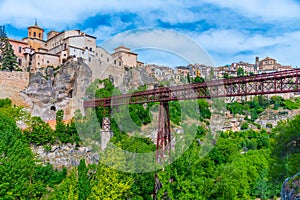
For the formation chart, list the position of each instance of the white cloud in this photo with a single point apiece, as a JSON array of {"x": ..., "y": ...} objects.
[
  {"x": 265, "y": 9},
  {"x": 169, "y": 41},
  {"x": 226, "y": 46},
  {"x": 59, "y": 14}
]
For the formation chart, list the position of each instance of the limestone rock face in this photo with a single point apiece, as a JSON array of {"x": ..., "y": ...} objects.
[
  {"x": 291, "y": 188},
  {"x": 66, "y": 155},
  {"x": 136, "y": 77},
  {"x": 64, "y": 89},
  {"x": 40, "y": 88}
]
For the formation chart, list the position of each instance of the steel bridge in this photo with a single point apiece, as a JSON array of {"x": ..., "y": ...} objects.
[{"x": 268, "y": 83}]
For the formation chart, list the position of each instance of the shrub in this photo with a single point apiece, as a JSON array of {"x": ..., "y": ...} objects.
[
  {"x": 269, "y": 125},
  {"x": 244, "y": 126}
]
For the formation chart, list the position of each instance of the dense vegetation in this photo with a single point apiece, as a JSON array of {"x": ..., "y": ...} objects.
[{"x": 243, "y": 165}]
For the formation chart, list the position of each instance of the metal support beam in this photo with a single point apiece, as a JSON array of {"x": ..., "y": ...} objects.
[
  {"x": 164, "y": 133},
  {"x": 163, "y": 141}
]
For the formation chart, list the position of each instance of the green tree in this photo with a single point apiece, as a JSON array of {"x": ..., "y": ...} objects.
[
  {"x": 244, "y": 126},
  {"x": 9, "y": 59},
  {"x": 211, "y": 73},
  {"x": 110, "y": 184},
  {"x": 240, "y": 72},
  {"x": 60, "y": 127},
  {"x": 68, "y": 189},
  {"x": 198, "y": 79},
  {"x": 39, "y": 132},
  {"x": 188, "y": 78},
  {"x": 83, "y": 181},
  {"x": 286, "y": 150},
  {"x": 16, "y": 162},
  {"x": 225, "y": 75}
]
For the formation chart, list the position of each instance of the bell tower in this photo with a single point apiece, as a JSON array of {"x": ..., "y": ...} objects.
[
  {"x": 35, "y": 31},
  {"x": 35, "y": 37}
]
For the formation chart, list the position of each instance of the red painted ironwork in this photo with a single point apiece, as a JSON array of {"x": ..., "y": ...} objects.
[
  {"x": 269, "y": 83},
  {"x": 163, "y": 140}
]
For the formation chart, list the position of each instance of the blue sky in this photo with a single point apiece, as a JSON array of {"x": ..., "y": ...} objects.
[{"x": 229, "y": 31}]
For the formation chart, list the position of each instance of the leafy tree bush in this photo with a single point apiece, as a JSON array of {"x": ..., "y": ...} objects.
[
  {"x": 16, "y": 162},
  {"x": 83, "y": 181},
  {"x": 39, "y": 132},
  {"x": 240, "y": 72},
  {"x": 245, "y": 126},
  {"x": 269, "y": 125}
]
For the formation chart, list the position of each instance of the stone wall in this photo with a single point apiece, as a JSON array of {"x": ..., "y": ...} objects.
[{"x": 11, "y": 83}]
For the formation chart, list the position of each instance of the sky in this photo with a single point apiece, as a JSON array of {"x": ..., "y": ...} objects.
[{"x": 171, "y": 32}]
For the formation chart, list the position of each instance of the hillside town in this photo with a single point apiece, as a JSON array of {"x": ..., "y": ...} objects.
[
  {"x": 34, "y": 53},
  {"x": 79, "y": 121}
]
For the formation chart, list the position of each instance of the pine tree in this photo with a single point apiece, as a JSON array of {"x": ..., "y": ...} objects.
[
  {"x": 9, "y": 59},
  {"x": 83, "y": 181}
]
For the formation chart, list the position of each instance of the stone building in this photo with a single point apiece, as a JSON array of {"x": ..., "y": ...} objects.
[
  {"x": 126, "y": 57},
  {"x": 182, "y": 71},
  {"x": 270, "y": 65},
  {"x": 20, "y": 50},
  {"x": 35, "y": 53}
]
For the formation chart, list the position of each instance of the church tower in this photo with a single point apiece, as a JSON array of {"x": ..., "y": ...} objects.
[
  {"x": 35, "y": 32},
  {"x": 35, "y": 37}
]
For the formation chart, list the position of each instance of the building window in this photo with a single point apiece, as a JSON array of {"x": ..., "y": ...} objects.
[
  {"x": 90, "y": 59},
  {"x": 38, "y": 63},
  {"x": 65, "y": 54},
  {"x": 47, "y": 61},
  {"x": 101, "y": 55},
  {"x": 29, "y": 34},
  {"x": 115, "y": 62},
  {"x": 20, "y": 49},
  {"x": 34, "y": 34},
  {"x": 120, "y": 63},
  {"x": 96, "y": 54},
  {"x": 20, "y": 61},
  {"x": 107, "y": 59},
  {"x": 91, "y": 49},
  {"x": 40, "y": 35}
]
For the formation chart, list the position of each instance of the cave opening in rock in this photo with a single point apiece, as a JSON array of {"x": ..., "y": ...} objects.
[
  {"x": 70, "y": 93},
  {"x": 53, "y": 108}
]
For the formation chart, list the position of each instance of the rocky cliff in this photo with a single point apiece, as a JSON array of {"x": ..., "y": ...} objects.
[
  {"x": 54, "y": 89},
  {"x": 135, "y": 77},
  {"x": 291, "y": 188}
]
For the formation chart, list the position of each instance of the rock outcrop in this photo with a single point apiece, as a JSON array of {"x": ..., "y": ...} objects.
[
  {"x": 135, "y": 77},
  {"x": 65, "y": 155},
  {"x": 291, "y": 188},
  {"x": 63, "y": 88}
]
